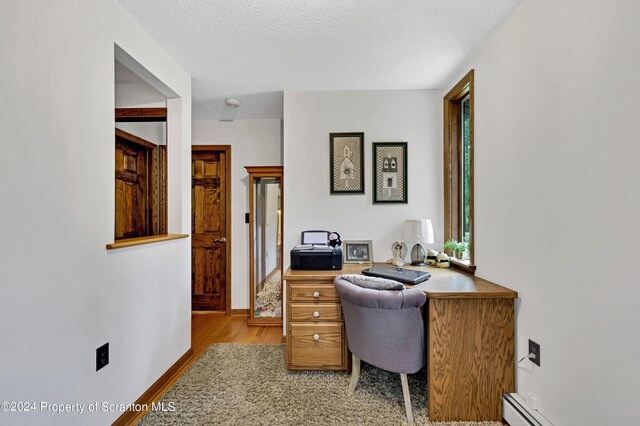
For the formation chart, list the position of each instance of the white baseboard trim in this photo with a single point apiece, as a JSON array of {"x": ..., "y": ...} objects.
[{"x": 517, "y": 412}]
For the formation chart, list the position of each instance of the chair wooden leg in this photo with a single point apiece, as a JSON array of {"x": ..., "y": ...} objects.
[
  {"x": 407, "y": 398},
  {"x": 355, "y": 373}
]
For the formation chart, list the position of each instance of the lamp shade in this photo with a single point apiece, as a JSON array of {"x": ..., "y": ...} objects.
[{"x": 418, "y": 231}]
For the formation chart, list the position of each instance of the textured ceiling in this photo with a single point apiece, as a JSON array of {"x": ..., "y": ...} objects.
[{"x": 253, "y": 50}]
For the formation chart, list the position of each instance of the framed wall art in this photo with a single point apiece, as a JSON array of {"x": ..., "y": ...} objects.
[
  {"x": 389, "y": 172},
  {"x": 357, "y": 251},
  {"x": 346, "y": 160}
]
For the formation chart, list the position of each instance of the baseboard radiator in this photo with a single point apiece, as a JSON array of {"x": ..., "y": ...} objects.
[{"x": 517, "y": 412}]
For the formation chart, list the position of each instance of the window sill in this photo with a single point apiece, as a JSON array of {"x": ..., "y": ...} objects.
[
  {"x": 130, "y": 242},
  {"x": 463, "y": 265}
]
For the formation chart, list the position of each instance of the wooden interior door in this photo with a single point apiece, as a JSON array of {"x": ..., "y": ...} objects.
[
  {"x": 131, "y": 188},
  {"x": 210, "y": 223}
]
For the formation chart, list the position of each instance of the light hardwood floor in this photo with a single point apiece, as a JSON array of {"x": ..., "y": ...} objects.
[{"x": 213, "y": 327}]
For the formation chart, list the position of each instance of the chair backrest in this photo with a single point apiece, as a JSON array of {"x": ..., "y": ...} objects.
[{"x": 384, "y": 327}]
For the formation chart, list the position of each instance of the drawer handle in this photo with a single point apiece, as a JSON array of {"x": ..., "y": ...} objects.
[
  {"x": 316, "y": 337},
  {"x": 316, "y": 314},
  {"x": 316, "y": 294}
]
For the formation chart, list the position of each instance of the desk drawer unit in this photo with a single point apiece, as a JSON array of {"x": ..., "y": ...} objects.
[
  {"x": 315, "y": 328},
  {"x": 316, "y": 346},
  {"x": 315, "y": 312},
  {"x": 314, "y": 292}
]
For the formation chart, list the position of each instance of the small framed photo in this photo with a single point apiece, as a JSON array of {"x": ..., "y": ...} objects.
[
  {"x": 389, "y": 172},
  {"x": 358, "y": 251},
  {"x": 346, "y": 160}
]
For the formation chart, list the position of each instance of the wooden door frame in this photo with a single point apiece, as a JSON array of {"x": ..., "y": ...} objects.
[
  {"x": 140, "y": 115},
  {"x": 227, "y": 151}
]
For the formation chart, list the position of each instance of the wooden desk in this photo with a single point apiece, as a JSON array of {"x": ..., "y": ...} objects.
[
  {"x": 470, "y": 346},
  {"x": 470, "y": 340}
]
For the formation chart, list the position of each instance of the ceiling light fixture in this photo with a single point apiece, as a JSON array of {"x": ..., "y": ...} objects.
[{"x": 233, "y": 102}]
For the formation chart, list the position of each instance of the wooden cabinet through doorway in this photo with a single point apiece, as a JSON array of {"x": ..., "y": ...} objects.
[{"x": 265, "y": 245}]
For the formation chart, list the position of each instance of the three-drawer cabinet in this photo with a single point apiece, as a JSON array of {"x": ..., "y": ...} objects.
[{"x": 315, "y": 328}]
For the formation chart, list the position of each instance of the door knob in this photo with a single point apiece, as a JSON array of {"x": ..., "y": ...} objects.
[
  {"x": 316, "y": 294},
  {"x": 316, "y": 314},
  {"x": 220, "y": 240},
  {"x": 316, "y": 337}
]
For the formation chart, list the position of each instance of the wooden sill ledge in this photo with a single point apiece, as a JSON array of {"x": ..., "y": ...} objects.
[
  {"x": 130, "y": 242},
  {"x": 463, "y": 266}
]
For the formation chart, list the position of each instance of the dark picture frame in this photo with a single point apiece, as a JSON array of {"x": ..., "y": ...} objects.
[
  {"x": 346, "y": 163},
  {"x": 358, "y": 251},
  {"x": 390, "y": 170}
]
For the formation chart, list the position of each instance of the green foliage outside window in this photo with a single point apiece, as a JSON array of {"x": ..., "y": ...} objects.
[{"x": 466, "y": 172}]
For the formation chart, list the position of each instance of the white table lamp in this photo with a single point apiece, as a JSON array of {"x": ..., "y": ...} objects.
[{"x": 418, "y": 231}]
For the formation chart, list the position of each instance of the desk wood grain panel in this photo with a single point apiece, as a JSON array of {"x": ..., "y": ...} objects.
[
  {"x": 300, "y": 292},
  {"x": 307, "y": 353},
  {"x": 323, "y": 311},
  {"x": 470, "y": 358},
  {"x": 326, "y": 275}
]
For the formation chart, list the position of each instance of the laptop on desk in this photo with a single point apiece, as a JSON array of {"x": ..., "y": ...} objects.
[{"x": 407, "y": 276}]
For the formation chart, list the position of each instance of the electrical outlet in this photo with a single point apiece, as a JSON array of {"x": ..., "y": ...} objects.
[
  {"x": 102, "y": 356},
  {"x": 534, "y": 348}
]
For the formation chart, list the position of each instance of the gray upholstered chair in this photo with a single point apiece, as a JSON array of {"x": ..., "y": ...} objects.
[{"x": 385, "y": 329}]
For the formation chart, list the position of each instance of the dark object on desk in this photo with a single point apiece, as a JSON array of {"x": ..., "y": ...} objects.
[
  {"x": 316, "y": 258},
  {"x": 408, "y": 276},
  {"x": 334, "y": 240}
]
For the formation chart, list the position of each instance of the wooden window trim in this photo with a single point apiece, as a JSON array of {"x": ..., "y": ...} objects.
[
  {"x": 452, "y": 183},
  {"x": 130, "y": 242},
  {"x": 469, "y": 268},
  {"x": 140, "y": 115}
]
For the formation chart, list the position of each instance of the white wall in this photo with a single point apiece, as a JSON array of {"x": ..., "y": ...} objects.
[
  {"x": 152, "y": 132},
  {"x": 557, "y": 198},
  {"x": 412, "y": 116},
  {"x": 63, "y": 293},
  {"x": 133, "y": 93},
  {"x": 253, "y": 143}
]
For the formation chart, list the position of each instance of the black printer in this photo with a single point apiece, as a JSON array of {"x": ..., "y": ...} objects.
[
  {"x": 315, "y": 253},
  {"x": 319, "y": 259}
]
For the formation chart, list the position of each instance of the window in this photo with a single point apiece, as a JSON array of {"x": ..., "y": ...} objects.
[{"x": 458, "y": 168}]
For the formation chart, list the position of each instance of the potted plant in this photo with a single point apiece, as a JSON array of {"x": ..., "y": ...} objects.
[
  {"x": 461, "y": 248},
  {"x": 451, "y": 246}
]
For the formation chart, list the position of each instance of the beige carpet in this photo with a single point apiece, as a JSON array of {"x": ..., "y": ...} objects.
[{"x": 236, "y": 384}]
